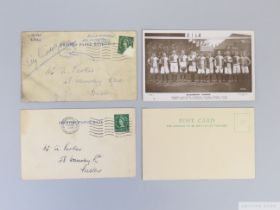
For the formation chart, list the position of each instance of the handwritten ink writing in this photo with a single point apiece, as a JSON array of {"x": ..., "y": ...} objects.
[
  {"x": 69, "y": 147},
  {"x": 70, "y": 154},
  {"x": 114, "y": 80},
  {"x": 86, "y": 169}
]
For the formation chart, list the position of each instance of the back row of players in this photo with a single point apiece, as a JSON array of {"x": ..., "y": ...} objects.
[{"x": 205, "y": 66}]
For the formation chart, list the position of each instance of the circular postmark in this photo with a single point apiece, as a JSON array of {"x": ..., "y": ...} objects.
[{"x": 69, "y": 125}]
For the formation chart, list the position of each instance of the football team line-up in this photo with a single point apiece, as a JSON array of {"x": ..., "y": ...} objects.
[{"x": 202, "y": 67}]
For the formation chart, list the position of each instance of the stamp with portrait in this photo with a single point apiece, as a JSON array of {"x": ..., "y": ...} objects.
[
  {"x": 125, "y": 42},
  {"x": 121, "y": 122}
]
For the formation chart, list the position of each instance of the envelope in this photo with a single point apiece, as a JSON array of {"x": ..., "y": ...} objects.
[
  {"x": 78, "y": 66},
  {"x": 198, "y": 143},
  {"x": 77, "y": 143}
]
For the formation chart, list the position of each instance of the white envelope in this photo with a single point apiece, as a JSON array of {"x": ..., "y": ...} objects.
[
  {"x": 78, "y": 66},
  {"x": 77, "y": 143}
]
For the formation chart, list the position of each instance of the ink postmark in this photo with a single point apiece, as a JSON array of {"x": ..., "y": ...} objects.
[
  {"x": 69, "y": 125},
  {"x": 125, "y": 42},
  {"x": 121, "y": 122}
]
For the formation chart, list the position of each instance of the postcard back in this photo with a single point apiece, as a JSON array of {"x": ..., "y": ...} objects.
[{"x": 201, "y": 143}]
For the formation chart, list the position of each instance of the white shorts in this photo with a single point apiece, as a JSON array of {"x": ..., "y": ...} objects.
[
  {"x": 154, "y": 70},
  {"x": 183, "y": 65},
  {"x": 219, "y": 70},
  {"x": 201, "y": 71},
  {"x": 236, "y": 69},
  {"x": 228, "y": 69},
  {"x": 192, "y": 68},
  {"x": 164, "y": 70},
  {"x": 209, "y": 70},
  {"x": 245, "y": 69},
  {"x": 173, "y": 67}
]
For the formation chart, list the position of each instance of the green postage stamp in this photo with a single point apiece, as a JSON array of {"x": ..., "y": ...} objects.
[
  {"x": 124, "y": 43},
  {"x": 121, "y": 122}
]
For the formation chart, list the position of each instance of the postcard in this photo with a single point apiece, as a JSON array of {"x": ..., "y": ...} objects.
[
  {"x": 78, "y": 66},
  {"x": 198, "y": 65},
  {"x": 77, "y": 143},
  {"x": 198, "y": 143}
]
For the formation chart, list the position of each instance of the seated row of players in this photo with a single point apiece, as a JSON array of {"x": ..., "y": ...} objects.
[{"x": 223, "y": 67}]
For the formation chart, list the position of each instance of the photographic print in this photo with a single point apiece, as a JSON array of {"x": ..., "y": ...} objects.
[{"x": 194, "y": 65}]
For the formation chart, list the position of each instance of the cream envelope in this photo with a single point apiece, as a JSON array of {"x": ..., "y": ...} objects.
[
  {"x": 78, "y": 66},
  {"x": 202, "y": 143},
  {"x": 77, "y": 143}
]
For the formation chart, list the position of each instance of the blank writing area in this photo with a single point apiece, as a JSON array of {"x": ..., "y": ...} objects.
[{"x": 198, "y": 144}]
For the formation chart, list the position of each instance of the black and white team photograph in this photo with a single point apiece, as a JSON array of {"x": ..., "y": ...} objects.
[{"x": 198, "y": 65}]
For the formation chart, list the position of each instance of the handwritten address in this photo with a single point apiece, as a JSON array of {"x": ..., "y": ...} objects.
[{"x": 71, "y": 154}]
